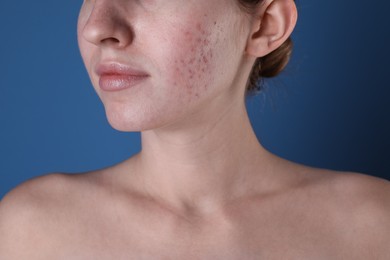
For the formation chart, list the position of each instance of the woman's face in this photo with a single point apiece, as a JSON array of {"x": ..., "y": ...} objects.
[{"x": 156, "y": 62}]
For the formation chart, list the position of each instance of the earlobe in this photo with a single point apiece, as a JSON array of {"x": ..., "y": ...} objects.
[{"x": 274, "y": 22}]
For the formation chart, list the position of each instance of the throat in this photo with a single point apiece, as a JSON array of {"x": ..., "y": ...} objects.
[
  {"x": 203, "y": 184},
  {"x": 202, "y": 168}
]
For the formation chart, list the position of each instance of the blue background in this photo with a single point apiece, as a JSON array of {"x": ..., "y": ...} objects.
[{"x": 329, "y": 109}]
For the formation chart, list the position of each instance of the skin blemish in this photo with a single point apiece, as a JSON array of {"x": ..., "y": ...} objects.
[{"x": 193, "y": 66}]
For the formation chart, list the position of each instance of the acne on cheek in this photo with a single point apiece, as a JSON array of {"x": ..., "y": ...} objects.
[{"x": 194, "y": 65}]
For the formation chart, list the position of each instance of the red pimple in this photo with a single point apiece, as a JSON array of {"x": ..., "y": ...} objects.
[{"x": 188, "y": 35}]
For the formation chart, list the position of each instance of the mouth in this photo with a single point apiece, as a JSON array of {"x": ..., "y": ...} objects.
[{"x": 117, "y": 77}]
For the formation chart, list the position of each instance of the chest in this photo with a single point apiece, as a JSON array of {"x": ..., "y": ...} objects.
[
  {"x": 192, "y": 251},
  {"x": 251, "y": 242},
  {"x": 154, "y": 234}
]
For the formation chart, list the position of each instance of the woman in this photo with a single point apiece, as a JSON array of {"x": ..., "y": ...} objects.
[{"x": 202, "y": 187}]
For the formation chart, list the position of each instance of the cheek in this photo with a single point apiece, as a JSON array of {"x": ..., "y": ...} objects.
[{"x": 193, "y": 61}]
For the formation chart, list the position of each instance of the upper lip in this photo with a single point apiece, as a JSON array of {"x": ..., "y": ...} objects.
[{"x": 114, "y": 68}]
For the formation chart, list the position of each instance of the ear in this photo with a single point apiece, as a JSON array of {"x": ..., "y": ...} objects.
[{"x": 272, "y": 24}]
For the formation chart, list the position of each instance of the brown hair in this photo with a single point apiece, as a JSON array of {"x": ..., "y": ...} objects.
[{"x": 270, "y": 65}]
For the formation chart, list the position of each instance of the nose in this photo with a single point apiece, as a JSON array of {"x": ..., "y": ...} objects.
[{"x": 105, "y": 26}]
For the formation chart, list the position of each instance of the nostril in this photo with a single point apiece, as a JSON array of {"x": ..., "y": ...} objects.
[{"x": 111, "y": 40}]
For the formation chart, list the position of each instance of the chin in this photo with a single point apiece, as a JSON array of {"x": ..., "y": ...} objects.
[
  {"x": 136, "y": 116},
  {"x": 126, "y": 121}
]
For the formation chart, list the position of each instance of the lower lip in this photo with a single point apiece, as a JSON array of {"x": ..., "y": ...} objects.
[{"x": 120, "y": 82}]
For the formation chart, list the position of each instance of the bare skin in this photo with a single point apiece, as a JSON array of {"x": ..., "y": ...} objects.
[
  {"x": 203, "y": 187},
  {"x": 309, "y": 214}
]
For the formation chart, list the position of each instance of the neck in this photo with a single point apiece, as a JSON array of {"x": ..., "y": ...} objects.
[{"x": 205, "y": 165}]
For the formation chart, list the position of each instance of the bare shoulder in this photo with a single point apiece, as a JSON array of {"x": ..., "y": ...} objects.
[
  {"x": 29, "y": 210},
  {"x": 361, "y": 204},
  {"x": 39, "y": 192},
  {"x": 355, "y": 189},
  {"x": 32, "y": 194},
  {"x": 361, "y": 191},
  {"x": 43, "y": 192}
]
